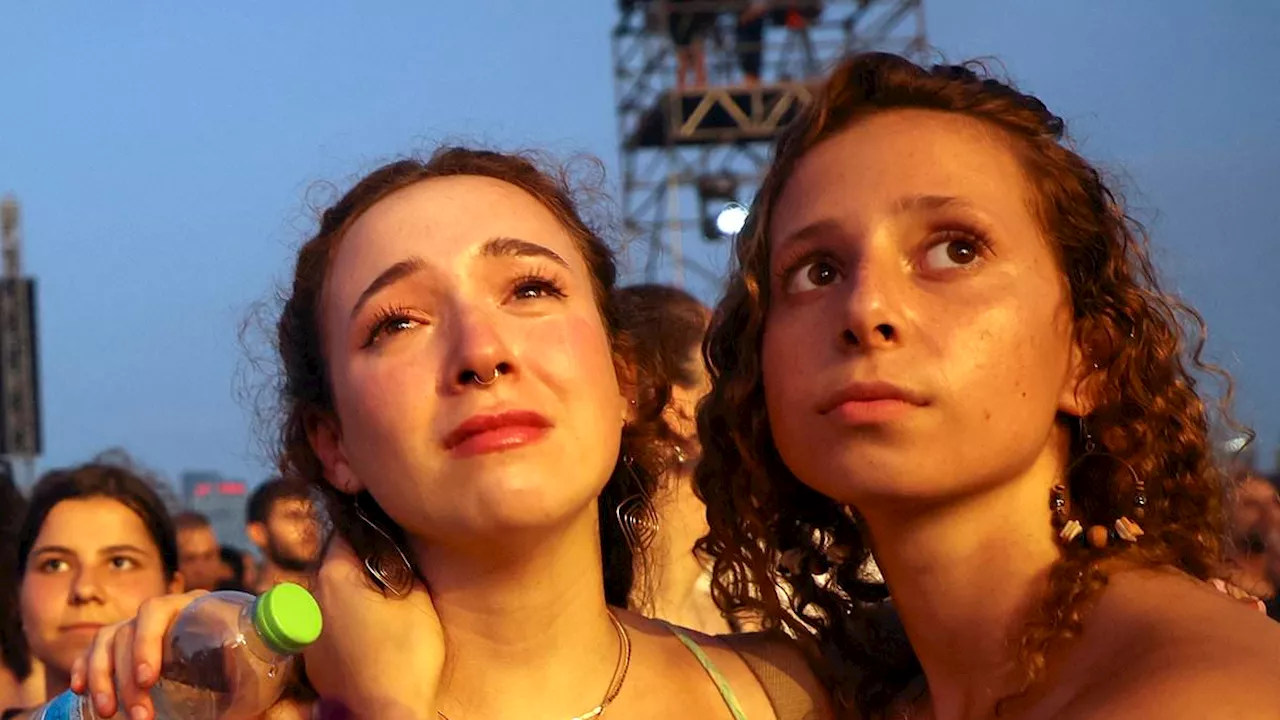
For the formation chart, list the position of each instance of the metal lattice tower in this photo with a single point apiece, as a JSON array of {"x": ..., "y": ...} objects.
[
  {"x": 20, "y": 438},
  {"x": 674, "y": 141}
]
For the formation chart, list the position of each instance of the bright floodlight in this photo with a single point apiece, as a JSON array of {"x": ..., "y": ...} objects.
[{"x": 731, "y": 219}]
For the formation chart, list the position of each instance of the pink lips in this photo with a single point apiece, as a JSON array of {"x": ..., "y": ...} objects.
[
  {"x": 866, "y": 403},
  {"x": 483, "y": 434}
]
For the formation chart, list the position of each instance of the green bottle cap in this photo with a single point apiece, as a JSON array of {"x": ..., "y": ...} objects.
[{"x": 287, "y": 618}]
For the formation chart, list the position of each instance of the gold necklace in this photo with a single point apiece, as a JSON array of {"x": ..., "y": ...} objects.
[{"x": 619, "y": 672}]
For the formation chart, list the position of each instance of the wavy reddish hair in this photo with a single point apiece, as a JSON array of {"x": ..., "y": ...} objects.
[
  {"x": 1143, "y": 342},
  {"x": 305, "y": 393}
]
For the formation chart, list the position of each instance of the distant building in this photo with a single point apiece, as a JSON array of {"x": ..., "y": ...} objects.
[{"x": 222, "y": 501}]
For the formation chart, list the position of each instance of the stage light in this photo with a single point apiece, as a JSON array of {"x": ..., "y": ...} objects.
[
  {"x": 722, "y": 215},
  {"x": 731, "y": 219}
]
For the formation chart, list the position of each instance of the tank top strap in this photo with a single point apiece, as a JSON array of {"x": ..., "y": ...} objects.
[{"x": 722, "y": 683}]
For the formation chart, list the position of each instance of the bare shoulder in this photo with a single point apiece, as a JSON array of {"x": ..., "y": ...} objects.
[
  {"x": 747, "y": 665},
  {"x": 1162, "y": 644},
  {"x": 785, "y": 673},
  {"x": 682, "y": 684}
]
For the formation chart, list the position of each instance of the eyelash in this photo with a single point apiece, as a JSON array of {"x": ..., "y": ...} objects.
[
  {"x": 939, "y": 237},
  {"x": 385, "y": 318},
  {"x": 537, "y": 279}
]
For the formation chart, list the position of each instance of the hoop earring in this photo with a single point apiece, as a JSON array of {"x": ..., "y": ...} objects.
[
  {"x": 636, "y": 515},
  {"x": 380, "y": 576},
  {"x": 1097, "y": 536}
]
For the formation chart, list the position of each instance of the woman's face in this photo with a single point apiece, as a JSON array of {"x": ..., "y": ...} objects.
[
  {"x": 918, "y": 340},
  {"x": 431, "y": 292},
  {"x": 76, "y": 581}
]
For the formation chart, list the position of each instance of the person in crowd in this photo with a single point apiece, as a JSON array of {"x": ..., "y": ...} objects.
[
  {"x": 21, "y": 677},
  {"x": 281, "y": 521},
  {"x": 667, "y": 325},
  {"x": 1255, "y": 538},
  {"x": 95, "y": 543},
  {"x": 458, "y": 385},
  {"x": 231, "y": 569},
  {"x": 197, "y": 551},
  {"x": 944, "y": 342},
  {"x": 688, "y": 25},
  {"x": 749, "y": 40}
]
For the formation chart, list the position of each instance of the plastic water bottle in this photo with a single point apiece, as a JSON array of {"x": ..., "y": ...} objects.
[{"x": 226, "y": 657}]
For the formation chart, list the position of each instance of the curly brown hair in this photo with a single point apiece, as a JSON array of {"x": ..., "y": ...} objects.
[
  {"x": 306, "y": 394},
  {"x": 1142, "y": 342}
]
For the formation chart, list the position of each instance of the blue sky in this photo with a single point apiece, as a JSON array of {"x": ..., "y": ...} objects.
[{"x": 165, "y": 156}]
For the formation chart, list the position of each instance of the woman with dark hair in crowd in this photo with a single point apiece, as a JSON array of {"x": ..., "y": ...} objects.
[
  {"x": 667, "y": 326},
  {"x": 944, "y": 341},
  {"x": 21, "y": 678},
  {"x": 457, "y": 383},
  {"x": 95, "y": 543}
]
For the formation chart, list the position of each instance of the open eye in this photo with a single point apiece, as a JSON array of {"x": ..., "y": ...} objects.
[
  {"x": 953, "y": 250},
  {"x": 53, "y": 565},
  {"x": 535, "y": 285},
  {"x": 811, "y": 276},
  {"x": 122, "y": 562},
  {"x": 389, "y": 322}
]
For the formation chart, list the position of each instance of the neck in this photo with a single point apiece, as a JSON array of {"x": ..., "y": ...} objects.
[
  {"x": 964, "y": 578},
  {"x": 56, "y": 682},
  {"x": 270, "y": 574},
  {"x": 526, "y": 613}
]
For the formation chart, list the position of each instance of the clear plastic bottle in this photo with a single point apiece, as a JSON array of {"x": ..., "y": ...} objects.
[{"x": 226, "y": 657}]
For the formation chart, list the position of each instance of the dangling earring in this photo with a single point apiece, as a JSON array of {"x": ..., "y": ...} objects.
[
  {"x": 636, "y": 515},
  {"x": 379, "y": 575},
  {"x": 1097, "y": 536}
]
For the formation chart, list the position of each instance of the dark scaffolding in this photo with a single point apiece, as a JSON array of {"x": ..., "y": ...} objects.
[{"x": 691, "y": 148}]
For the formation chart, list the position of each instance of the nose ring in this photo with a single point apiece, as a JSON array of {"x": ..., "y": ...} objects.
[{"x": 475, "y": 378}]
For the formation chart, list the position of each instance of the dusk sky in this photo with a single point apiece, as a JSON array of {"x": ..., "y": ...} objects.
[{"x": 165, "y": 155}]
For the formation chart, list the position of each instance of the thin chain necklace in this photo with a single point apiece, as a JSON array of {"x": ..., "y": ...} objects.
[{"x": 619, "y": 673}]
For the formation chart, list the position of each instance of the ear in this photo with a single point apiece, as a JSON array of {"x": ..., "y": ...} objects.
[
  {"x": 627, "y": 390},
  {"x": 1084, "y": 379},
  {"x": 178, "y": 584},
  {"x": 257, "y": 533},
  {"x": 325, "y": 437}
]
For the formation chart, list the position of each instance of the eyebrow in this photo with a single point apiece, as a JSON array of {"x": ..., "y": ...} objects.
[
  {"x": 113, "y": 549},
  {"x": 498, "y": 247},
  {"x": 515, "y": 247},
  {"x": 928, "y": 202},
  {"x": 903, "y": 205},
  {"x": 390, "y": 276},
  {"x": 109, "y": 550}
]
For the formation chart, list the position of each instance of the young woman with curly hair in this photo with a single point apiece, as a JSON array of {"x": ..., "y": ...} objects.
[{"x": 944, "y": 341}]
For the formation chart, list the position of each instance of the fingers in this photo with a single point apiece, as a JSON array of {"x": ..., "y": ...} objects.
[
  {"x": 153, "y": 621},
  {"x": 127, "y": 656},
  {"x": 100, "y": 670},
  {"x": 121, "y": 661},
  {"x": 132, "y": 696}
]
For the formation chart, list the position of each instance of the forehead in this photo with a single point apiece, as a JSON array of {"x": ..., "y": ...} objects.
[
  {"x": 203, "y": 532},
  {"x": 112, "y": 523},
  {"x": 443, "y": 221},
  {"x": 882, "y": 159},
  {"x": 291, "y": 506}
]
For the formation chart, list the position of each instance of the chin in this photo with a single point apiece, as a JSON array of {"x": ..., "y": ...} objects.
[
  {"x": 515, "y": 498},
  {"x": 862, "y": 474}
]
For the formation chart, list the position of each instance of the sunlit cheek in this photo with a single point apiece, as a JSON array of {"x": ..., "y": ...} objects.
[
  {"x": 128, "y": 590},
  {"x": 378, "y": 394},
  {"x": 43, "y": 600},
  {"x": 573, "y": 352}
]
